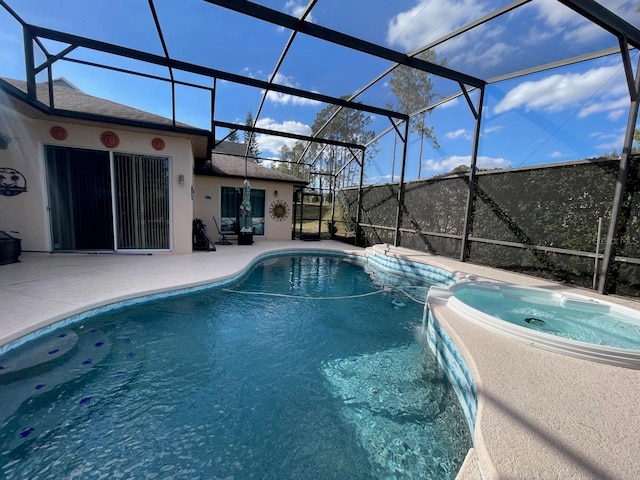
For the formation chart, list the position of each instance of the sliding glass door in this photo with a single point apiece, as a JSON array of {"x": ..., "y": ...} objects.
[
  {"x": 141, "y": 189},
  {"x": 231, "y": 197},
  {"x": 80, "y": 202},
  {"x": 101, "y": 201}
]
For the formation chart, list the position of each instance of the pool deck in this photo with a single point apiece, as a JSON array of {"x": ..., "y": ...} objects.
[{"x": 541, "y": 415}]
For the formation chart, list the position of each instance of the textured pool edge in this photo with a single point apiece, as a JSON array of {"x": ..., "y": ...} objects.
[
  {"x": 383, "y": 259},
  {"x": 496, "y": 436},
  {"x": 83, "y": 313},
  {"x": 601, "y": 400},
  {"x": 380, "y": 262},
  {"x": 441, "y": 344},
  {"x": 615, "y": 356},
  {"x": 369, "y": 258}
]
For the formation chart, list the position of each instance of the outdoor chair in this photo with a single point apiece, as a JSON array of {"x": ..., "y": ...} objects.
[
  {"x": 201, "y": 240},
  {"x": 223, "y": 240}
]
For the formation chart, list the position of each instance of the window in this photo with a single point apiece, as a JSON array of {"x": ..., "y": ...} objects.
[{"x": 230, "y": 210}]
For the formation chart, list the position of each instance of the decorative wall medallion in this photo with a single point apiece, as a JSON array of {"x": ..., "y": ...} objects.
[
  {"x": 12, "y": 182},
  {"x": 157, "y": 144},
  {"x": 59, "y": 133},
  {"x": 279, "y": 210},
  {"x": 109, "y": 139}
]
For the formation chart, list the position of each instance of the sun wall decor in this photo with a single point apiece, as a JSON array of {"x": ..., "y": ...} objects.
[
  {"x": 279, "y": 210},
  {"x": 110, "y": 139}
]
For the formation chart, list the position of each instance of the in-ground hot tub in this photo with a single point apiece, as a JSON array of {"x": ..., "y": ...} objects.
[{"x": 562, "y": 322}]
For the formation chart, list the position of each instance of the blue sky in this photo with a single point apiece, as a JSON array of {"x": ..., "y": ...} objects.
[{"x": 565, "y": 114}]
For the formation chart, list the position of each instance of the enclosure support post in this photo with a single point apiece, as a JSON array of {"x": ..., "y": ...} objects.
[
  {"x": 621, "y": 183},
  {"x": 396, "y": 237},
  {"x": 471, "y": 195},
  {"x": 321, "y": 203},
  {"x": 332, "y": 192},
  {"x": 211, "y": 141},
  {"x": 359, "y": 235},
  {"x": 29, "y": 62}
]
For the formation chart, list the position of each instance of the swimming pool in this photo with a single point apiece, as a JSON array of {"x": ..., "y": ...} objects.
[
  {"x": 563, "y": 322},
  {"x": 305, "y": 368}
]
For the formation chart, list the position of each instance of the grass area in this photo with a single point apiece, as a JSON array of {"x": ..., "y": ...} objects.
[
  {"x": 311, "y": 215},
  {"x": 310, "y": 219}
]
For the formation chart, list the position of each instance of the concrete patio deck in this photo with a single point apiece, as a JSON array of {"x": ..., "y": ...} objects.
[{"x": 541, "y": 415}]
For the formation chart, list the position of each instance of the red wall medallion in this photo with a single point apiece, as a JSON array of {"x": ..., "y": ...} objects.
[
  {"x": 157, "y": 143},
  {"x": 109, "y": 139},
  {"x": 58, "y": 132}
]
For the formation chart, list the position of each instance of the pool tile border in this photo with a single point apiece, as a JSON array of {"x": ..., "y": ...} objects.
[
  {"x": 144, "y": 298},
  {"x": 442, "y": 346}
]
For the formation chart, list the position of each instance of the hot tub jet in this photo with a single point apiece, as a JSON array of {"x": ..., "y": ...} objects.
[{"x": 535, "y": 321}]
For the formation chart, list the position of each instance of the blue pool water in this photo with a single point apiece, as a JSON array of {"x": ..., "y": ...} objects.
[
  {"x": 276, "y": 376},
  {"x": 584, "y": 320}
]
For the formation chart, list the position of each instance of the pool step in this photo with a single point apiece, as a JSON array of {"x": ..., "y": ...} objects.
[
  {"x": 46, "y": 351},
  {"x": 36, "y": 371}
]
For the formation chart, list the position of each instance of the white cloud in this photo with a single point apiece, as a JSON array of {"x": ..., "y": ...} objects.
[
  {"x": 558, "y": 91},
  {"x": 614, "y": 145},
  {"x": 609, "y": 141},
  {"x": 430, "y": 20},
  {"x": 537, "y": 35},
  {"x": 494, "y": 129},
  {"x": 285, "y": 98},
  {"x": 449, "y": 163},
  {"x": 295, "y": 9},
  {"x": 556, "y": 154},
  {"x": 247, "y": 72},
  {"x": 270, "y": 145},
  {"x": 554, "y": 13},
  {"x": 479, "y": 49},
  {"x": 488, "y": 56},
  {"x": 460, "y": 133},
  {"x": 451, "y": 103},
  {"x": 621, "y": 104},
  {"x": 616, "y": 115},
  {"x": 380, "y": 179},
  {"x": 608, "y": 135},
  {"x": 560, "y": 19}
]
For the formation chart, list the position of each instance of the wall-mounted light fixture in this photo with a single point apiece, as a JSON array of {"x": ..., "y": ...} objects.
[
  {"x": 181, "y": 179},
  {"x": 275, "y": 193}
]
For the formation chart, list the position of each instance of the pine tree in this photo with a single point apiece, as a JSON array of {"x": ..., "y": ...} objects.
[
  {"x": 250, "y": 139},
  {"x": 233, "y": 137},
  {"x": 348, "y": 126},
  {"x": 413, "y": 90}
]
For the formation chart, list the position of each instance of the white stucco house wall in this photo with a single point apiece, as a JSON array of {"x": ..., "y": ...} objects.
[
  {"x": 219, "y": 181},
  {"x": 93, "y": 175}
]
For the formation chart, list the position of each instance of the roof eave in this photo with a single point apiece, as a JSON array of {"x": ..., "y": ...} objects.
[
  {"x": 300, "y": 183},
  {"x": 55, "y": 112}
]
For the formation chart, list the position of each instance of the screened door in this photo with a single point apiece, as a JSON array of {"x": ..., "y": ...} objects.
[
  {"x": 80, "y": 199},
  {"x": 96, "y": 204},
  {"x": 141, "y": 189}
]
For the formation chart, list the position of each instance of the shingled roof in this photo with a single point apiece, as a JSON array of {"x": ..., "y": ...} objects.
[
  {"x": 73, "y": 104},
  {"x": 67, "y": 97},
  {"x": 227, "y": 160}
]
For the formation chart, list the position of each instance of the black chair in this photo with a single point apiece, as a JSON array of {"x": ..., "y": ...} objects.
[
  {"x": 201, "y": 240},
  {"x": 223, "y": 240}
]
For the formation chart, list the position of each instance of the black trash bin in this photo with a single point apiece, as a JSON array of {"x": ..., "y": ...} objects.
[
  {"x": 245, "y": 238},
  {"x": 10, "y": 248}
]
